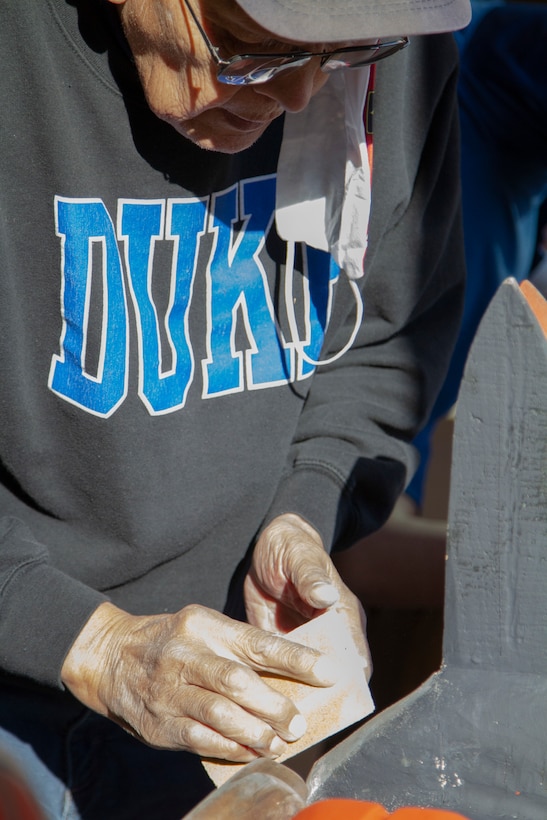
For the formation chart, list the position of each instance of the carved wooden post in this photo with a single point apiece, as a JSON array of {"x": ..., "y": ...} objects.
[{"x": 473, "y": 738}]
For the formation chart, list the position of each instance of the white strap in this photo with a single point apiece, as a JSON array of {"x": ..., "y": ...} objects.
[{"x": 293, "y": 326}]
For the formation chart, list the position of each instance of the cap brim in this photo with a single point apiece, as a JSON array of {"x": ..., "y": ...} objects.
[{"x": 318, "y": 21}]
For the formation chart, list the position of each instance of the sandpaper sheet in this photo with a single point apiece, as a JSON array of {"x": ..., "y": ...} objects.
[{"x": 327, "y": 710}]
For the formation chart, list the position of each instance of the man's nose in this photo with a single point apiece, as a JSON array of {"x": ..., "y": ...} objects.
[{"x": 293, "y": 89}]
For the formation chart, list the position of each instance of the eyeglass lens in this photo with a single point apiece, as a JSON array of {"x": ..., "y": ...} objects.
[
  {"x": 254, "y": 70},
  {"x": 257, "y": 70}
]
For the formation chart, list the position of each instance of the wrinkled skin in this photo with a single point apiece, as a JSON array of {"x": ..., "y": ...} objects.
[
  {"x": 179, "y": 76},
  {"x": 292, "y": 579},
  {"x": 189, "y": 680}
]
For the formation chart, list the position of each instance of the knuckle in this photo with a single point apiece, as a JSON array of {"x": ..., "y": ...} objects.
[
  {"x": 160, "y": 734},
  {"x": 191, "y": 616},
  {"x": 268, "y": 651},
  {"x": 298, "y": 658},
  {"x": 237, "y": 679},
  {"x": 302, "y": 658},
  {"x": 261, "y": 646},
  {"x": 259, "y": 738},
  {"x": 212, "y": 711},
  {"x": 190, "y": 733}
]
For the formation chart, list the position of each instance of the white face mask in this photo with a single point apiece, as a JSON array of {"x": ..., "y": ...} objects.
[{"x": 326, "y": 204}]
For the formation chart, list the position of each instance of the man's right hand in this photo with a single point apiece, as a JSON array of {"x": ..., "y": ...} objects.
[{"x": 189, "y": 680}]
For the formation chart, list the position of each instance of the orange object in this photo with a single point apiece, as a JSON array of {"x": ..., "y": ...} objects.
[
  {"x": 339, "y": 808},
  {"x": 537, "y": 303}
]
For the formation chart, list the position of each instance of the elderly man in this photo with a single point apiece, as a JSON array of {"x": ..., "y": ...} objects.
[{"x": 193, "y": 413}]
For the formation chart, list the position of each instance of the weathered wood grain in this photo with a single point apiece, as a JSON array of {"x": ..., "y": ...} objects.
[{"x": 473, "y": 738}]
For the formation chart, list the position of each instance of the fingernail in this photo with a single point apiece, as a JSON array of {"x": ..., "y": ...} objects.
[
  {"x": 324, "y": 594},
  {"x": 325, "y": 669},
  {"x": 297, "y": 727},
  {"x": 278, "y": 747}
]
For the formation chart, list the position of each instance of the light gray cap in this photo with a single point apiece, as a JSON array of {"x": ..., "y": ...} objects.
[{"x": 318, "y": 21}]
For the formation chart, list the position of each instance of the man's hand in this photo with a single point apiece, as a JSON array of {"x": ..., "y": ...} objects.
[
  {"x": 292, "y": 579},
  {"x": 186, "y": 681}
]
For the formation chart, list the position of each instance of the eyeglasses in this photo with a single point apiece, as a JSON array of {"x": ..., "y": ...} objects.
[{"x": 253, "y": 69}]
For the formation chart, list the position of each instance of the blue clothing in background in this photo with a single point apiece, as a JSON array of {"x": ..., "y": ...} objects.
[{"x": 503, "y": 111}]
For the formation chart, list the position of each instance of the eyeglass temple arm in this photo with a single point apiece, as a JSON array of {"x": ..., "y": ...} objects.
[{"x": 212, "y": 49}]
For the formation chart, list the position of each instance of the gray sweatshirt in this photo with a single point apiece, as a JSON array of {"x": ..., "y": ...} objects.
[{"x": 155, "y": 411}]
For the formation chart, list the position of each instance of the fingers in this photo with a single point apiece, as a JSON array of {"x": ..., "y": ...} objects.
[
  {"x": 236, "y": 724},
  {"x": 293, "y": 577},
  {"x": 206, "y": 724},
  {"x": 236, "y": 701},
  {"x": 212, "y": 726},
  {"x": 187, "y": 734},
  {"x": 314, "y": 577},
  {"x": 190, "y": 681},
  {"x": 290, "y": 550},
  {"x": 258, "y": 649}
]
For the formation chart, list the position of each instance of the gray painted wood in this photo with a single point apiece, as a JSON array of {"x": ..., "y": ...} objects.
[{"x": 473, "y": 738}]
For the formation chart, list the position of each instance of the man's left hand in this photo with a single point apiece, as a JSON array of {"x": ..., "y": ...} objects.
[{"x": 292, "y": 579}]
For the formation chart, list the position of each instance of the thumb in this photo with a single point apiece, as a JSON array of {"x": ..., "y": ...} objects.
[
  {"x": 322, "y": 594},
  {"x": 313, "y": 579}
]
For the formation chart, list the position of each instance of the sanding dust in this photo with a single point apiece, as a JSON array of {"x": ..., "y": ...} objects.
[{"x": 327, "y": 710}]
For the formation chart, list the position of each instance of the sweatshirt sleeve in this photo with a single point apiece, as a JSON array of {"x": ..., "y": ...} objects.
[
  {"x": 51, "y": 598},
  {"x": 352, "y": 454}
]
